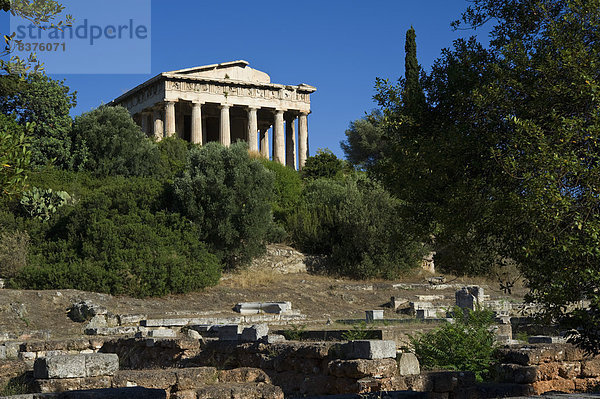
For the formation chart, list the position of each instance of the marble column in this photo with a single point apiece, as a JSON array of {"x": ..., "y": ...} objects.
[
  {"x": 169, "y": 118},
  {"x": 290, "y": 141},
  {"x": 278, "y": 138},
  {"x": 144, "y": 116},
  {"x": 225, "y": 129},
  {"x": 302, "y": 139},
  {"x": 159, "y": 131},
  {"x": 264, "y": 141},
  {"x": 196, "y": 137},
  {"x": 252, "y": 129}
]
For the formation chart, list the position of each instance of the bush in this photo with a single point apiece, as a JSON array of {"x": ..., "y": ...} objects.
[
  {"x": 115, "y": 145},
  {"x": 323, "y": 165},
  {"x": 173, "y": 156},
  {"x": 44, "y": 103},
  {"x": 359, "y": 225},
  {"x": 42, "y": 204},
  {"x": 228, "y": 195},
  {"x": 119, "y": 241},
  {"x": 15, "y": 156},
  {"x": 288, "y": 190},
  {"x": 465, "y": 345},
  {"x": 13, "y": 252}
]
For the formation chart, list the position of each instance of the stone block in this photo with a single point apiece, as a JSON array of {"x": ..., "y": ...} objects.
[
  {"x": 408, "y": 364},
  {"x": 62, "y": 366},
  {"x": 516, "y": 373},
  {"x": 12, "y": 349},
  {"x": 255, "y": 333},
  {"x": 559, "y": 385},
  {"x": 116, "y": 393},
  {"x": 162, "y": 333},
  {"x": 248, "y": 308},
  {"x": 422, "y": 314},
  {"x": 157, "y": 379},
  {"x": 274, "y": 338},
  {"x": 370, "y": 349},
  {"x": 590, "y": 368},
  {"x": 469, "y": 297},
  {"x": 195, "y": 377},
  {"x": 247, "y": 390},
  {"x": 85, "y": 310},
  {"x": 371, "y": 315},
  {"x": 125, "y": 319},
  {"x": 360, "y": 368},
  {"x": 229, "y": 332},
  {"x": 2, "y": 352},
  {"x": 72, "y": 384},
  {"x": 101, "y": 364},
  {"x": 97, "y": 321},
  {"x": 243, "y": 374}
]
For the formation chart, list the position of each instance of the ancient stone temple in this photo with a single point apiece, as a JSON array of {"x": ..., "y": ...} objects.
[{"x": 225, "y": 103}]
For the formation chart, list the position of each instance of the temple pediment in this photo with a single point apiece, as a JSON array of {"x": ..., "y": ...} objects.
[{"x": 235, "y": 70}]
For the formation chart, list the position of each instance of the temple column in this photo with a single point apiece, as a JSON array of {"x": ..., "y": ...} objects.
[
  {"x": 278, "y": 138},
  {"x": 145, "y": 129},
  {"x": 264, "y": 141},
  {"x": 225, "y": 129},
  {"x": 302, "y": 139},
  {"x": 290, "y": 142},
  {"x": 159, "y": 131},
  {"x": 169, "y": 118},
  {"x": 252, "y": 129},
  {"x": 196, "y": 137}
]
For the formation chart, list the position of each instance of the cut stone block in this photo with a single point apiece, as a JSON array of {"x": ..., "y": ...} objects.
[
  {"x": 545, "y": 339},
  {"x": 131, "y": 318},
  {"x": 255, "y": 333},
  {"x": 61, "y": 366},
  {"x": 429, "y": 298},
  {"x": 229, "y": 332},
  {"x": 101, "y": 364},
  {"x": 76, "y": 366},
  {"x": 373, "y": 315},
  {"x": 426, "y": 313},
  {"x": 248, "y": 308},
  {"x": 408, "y": 364},
  {"x": 162, "y": 333},
  {"x": 371, "y": 349},
  {"x": 469, "y": 297},
  {"x": 85, "y": 310}
]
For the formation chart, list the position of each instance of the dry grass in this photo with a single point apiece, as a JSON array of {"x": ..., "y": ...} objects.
[
  {"x": 13, "y": 252},
  {"x": 251, "y": 278}
]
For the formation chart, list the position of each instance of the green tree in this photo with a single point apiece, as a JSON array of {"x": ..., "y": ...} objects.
[
  {"x": 14, "y": 156},
  {"x": 507, "y": 151},
  {"x": 414, "y": 98},
  {"x": 365, "y": 144},
  {"x": 114, "y": 144},
  {"x": 324, "y": 164},
  {"x": 43, "y": 103},
  {"x": 288, "y": 190},
  {"x": 228, "y": 195},
  {"x": 358, "y": 225}
]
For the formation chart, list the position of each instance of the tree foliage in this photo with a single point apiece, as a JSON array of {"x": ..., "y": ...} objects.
[
  {"x": 504, "y": 159},
  {"x": 44, "y": 104},
  {"x": 324, "y": 164},
  {"x": 114, "y": 144},
  {"x": 358, "y": 225},
  {"x": 365, "y": 143},
  {"x": 15, "y": 156},
  {"x": 228, "y": 195}
]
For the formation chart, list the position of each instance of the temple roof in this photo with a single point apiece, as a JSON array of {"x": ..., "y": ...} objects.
[{"x": 233, "y": 70}]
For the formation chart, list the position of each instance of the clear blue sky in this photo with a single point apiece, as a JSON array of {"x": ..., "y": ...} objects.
[{"x": 339, "y": 47}]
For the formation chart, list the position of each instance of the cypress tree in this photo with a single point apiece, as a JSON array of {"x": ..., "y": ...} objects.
[{"x": 414, "y": 99}]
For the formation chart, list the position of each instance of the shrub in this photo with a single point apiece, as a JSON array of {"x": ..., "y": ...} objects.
[
  {"x": 120, "y": 241},
  {"x": 322, "y": 165},
  {"x": 115, "y": 144},
  {"x": 173, "y": 156},
  {"x": 358, "y": 225},
  {"x": 288, "y": 190},
  {"x": 13, "y": 252},
  {"x": 44, "y": 103},
  {"x": 465, "y": 345},
  {"x": 42, "y": 204},
  {"x": 15, "y": 156},
  {"x": 228, "y": 195}
]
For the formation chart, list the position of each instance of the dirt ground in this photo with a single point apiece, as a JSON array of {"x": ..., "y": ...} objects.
[{"x": 324, "y": 300}]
